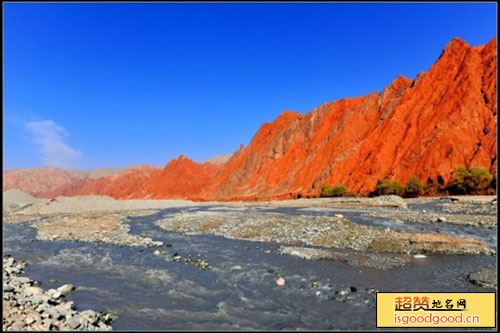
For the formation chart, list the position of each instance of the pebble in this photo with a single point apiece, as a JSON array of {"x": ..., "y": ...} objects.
[
  {"x": 8, "y": 288},
  {"x": 72, "y": 323},
  {"x": 65, "y": 289},
  {"x": 34, "y": 290},
  {"x": 68, "y": 305},
  {"x": 30, "y": 308},
  {"x": 42, "y": 327},
  {"x": 23, "y": 279}
]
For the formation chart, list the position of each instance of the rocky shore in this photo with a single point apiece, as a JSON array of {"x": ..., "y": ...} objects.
[
  {"x": 470, "y": 206},
  {"x": 99, "y": 228},
  {"x": 327, "y": 231},
  {"x": 26, "y": 306},
  {"x": 474, "y": 219},
  {"x": 485, "y": 278},
  {"x": 16, "y": 203},
  {"x": 369, "y": 260}
]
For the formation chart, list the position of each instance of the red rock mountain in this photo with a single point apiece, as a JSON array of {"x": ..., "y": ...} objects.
[
  {"x": 181, "y": 178},
  {"x": 126, "y": 185},
  {"x": 49, "y": 182},
  {"x": 425, "y": 127}
]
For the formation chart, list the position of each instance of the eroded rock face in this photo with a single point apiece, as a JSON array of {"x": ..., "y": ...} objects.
[
  {"x": 425, "y": 127},
  {"x": 181, "y": 178},
  {"x": 130, "y": 184}
]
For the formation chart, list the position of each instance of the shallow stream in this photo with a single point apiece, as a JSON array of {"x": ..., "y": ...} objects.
[{"x": 151, "y": 292}]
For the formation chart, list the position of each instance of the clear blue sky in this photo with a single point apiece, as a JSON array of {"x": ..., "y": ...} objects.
[{"x": 118, "y": 84}]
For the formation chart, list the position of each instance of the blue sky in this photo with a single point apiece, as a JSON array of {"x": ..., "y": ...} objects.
[{"x": 108, "y": 85}]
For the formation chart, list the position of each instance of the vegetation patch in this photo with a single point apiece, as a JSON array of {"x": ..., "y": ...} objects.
[{"x": 466, "y": 181}]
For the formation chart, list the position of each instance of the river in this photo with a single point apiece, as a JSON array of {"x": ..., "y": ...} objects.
[{"x": 151, "y": 292}]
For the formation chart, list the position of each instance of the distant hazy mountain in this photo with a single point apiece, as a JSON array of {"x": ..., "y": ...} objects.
[{"x": 219, "y": 159}]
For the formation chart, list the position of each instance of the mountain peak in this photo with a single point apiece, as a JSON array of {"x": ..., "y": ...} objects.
[
  {"x": 400, "y": 82},
  {"x": 456, "y": 42},
  {"x": 396, "y": 86},
  {"x": 455, "y": 46}
]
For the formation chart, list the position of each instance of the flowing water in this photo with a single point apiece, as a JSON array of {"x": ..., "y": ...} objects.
[{"x": 153, "y": 292}]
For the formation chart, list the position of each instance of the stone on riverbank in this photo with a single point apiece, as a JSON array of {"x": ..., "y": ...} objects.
[
  {"x": 26, "y": 307},
  {"x": 486, "y": 278}
]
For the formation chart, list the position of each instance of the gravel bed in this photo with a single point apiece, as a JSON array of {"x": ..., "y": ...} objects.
[
  {"x": 335, "y": 232},
  {"x": 26, "y": 306}
]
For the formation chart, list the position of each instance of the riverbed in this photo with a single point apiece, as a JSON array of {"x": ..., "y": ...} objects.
[{"x": 148, "y": 290}]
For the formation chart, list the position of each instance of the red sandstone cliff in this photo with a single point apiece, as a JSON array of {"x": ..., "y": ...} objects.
[
  {"x": 181, "y": 179},
  {"x": 424, "y": 127}
]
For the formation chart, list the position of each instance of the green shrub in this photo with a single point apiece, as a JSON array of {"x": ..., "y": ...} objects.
[
  {"x": 430, "y": 188},
  {"x": 413, "y": 187},
  {"x": 388, "y": 187},
  {"x": 326, "y": 191},
  {"x": 333, "y": 191},
  {"x": 481, "y": 178},
  {"x": 470, "y": 181},
  {"x": 339, "y": 190}
]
